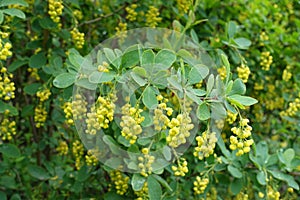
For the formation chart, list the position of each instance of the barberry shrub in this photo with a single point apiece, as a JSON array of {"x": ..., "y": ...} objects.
[{"x": 208, "y": 109}]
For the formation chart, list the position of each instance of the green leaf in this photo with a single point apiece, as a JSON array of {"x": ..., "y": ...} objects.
[
  {"x": 16, "y": 64},
  {"x": 101, "y": 77},
  {"x": 194, "y": 36},
  {"x": 234, "y": 171},
  {"x": 140, "y": 71},
  {"x": 112, "y": 195},
  {"x": 1, "y": 17},
  {"x": 167, "y": 153},
  {"x": 285, "y": 177},
  {"x": 64, "y": 80},
  {"x": 174, "y": 82},
  {"x": 15, "y": 197},
  {"x": 231, "y": 29},
  {"x": 289, "y": 155},
  {"x": 137, "y": 182},
  {"x": 163, "y": 182},
  {"x": 203, "y": 112},
  {"x": 31, "y": 89},
  {"x": 85, "y": 83},
  {"x": 165, "y": 58},
  {"x": 11, "y": 2},
  {"x": 243, "y": 100},
  {"x": 131, "y": 57},
  {"x": 83, "y": 174},
  {"x": 37, "y": 60},
  {"x": 75, "y": 58},
  {"x": 210, "y": 83},
  {"x": 14, "y": 13},
  {"x": 38, "y": 172},
  {"x": 10, "y": 150},
  {"x": 3, "y": 196},
  {"x": 236, "y": 186},
  {"x": 261, "y": 177},
  {"x": 110, "y": 54},
  {"x": 149, "y": 98},
  {"x": 218, "y": 110},
  {"x": 227, "y": 66},
  {"x": 148, "y": 58},
  {"x": 242, "y": 43},
  {"x": 138, "y": 79},
  {"x": 154, "y": 189},
  {"x": 5, "y": 106},
  {"x": 238, "y": 87}
]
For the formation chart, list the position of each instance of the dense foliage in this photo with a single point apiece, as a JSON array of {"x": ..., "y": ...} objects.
[{"x": 164, "y": 123}]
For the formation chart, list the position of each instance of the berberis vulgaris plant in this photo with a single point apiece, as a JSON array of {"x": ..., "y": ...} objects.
[{"x": 149, "y": 99}]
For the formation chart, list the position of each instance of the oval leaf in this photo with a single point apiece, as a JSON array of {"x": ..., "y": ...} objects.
[{"x": 64, "y": 80}]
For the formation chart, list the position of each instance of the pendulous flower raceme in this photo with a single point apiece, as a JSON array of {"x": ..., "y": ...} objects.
[
  {"x": 152, "y": 17},
  {"x": 200, "y": 185},
  {"x": 120, "y": 181},
  {"x": 145, "y": 162},
  {"x": 240, "y": 142},
  {"x": 7, "y": 87},
  {"x": 77, "y": 37},
  {"x": 131, "y": 122},
  {"x": 206, "y": 144},
  {"x": 55, "y": 9},
  {"x": 160, "y": 119},
  {"x": 243, "y": 73},
  {"x": 180, "y": 128},
  {"x": 7, "y": 127},
  {"x": 182, "y": 167}
]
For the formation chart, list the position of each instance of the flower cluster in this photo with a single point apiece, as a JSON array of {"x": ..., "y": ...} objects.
[
  {"x": 34, "y": 73},
  {"x": 231, "y": 117},
  {"x": 130, "y": 122},
  {"x": 7, "y": 127},
  {"x": 62, "y": 148},
  {"x": 222, "y": 72},
  {"x": 121, "y": 31},
  {"x": 43, "y": 95},
  {"x": 55, "y": 10},
  {"x": 91, "y": 122},
  {"x": 200, "y": 185},
  {"x": 78, "y": 151},
  {"x": 103, "y": 67},
  {"x": 40, "y": 112},
  {"x": 105, "y": 110},
  {"x": 152, "y": 17},
  {"x": 40, "y": 115},
  {"x": 179, "y": 130},
  {"x": 184, "y": 6},
  {"x": 272, "y": 194},
  {"x": 90, "y": 158},
  {"x": 242, "y": 196},
  {"x": 181, "y": 169},
  {"x": 77, "y": 38},
  {"x": 79, "y": 107},
  {"x": 145, "y": 162},
  {"x": 5, "y": 50},
  {"x": 240, "y": 141},
  {"x": 7, "y": 87},
  {"x": 205, "y": 145},
  {"x": 287, "y": 74},
  {"x": 143, "y": 193},
  {"x": 263, "y": 36},
  {"x": 266, "y": 60},
  {"x": 131, "y": 13},
  {"x": 120, "y": 181},
  {"x": 67, "y": 107},
  {"x": 243, "y": 73},
  {"x": 293, "y": 108},
  {"x": 160, "y": 120},
  {"x": 78, "y": 14}
]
